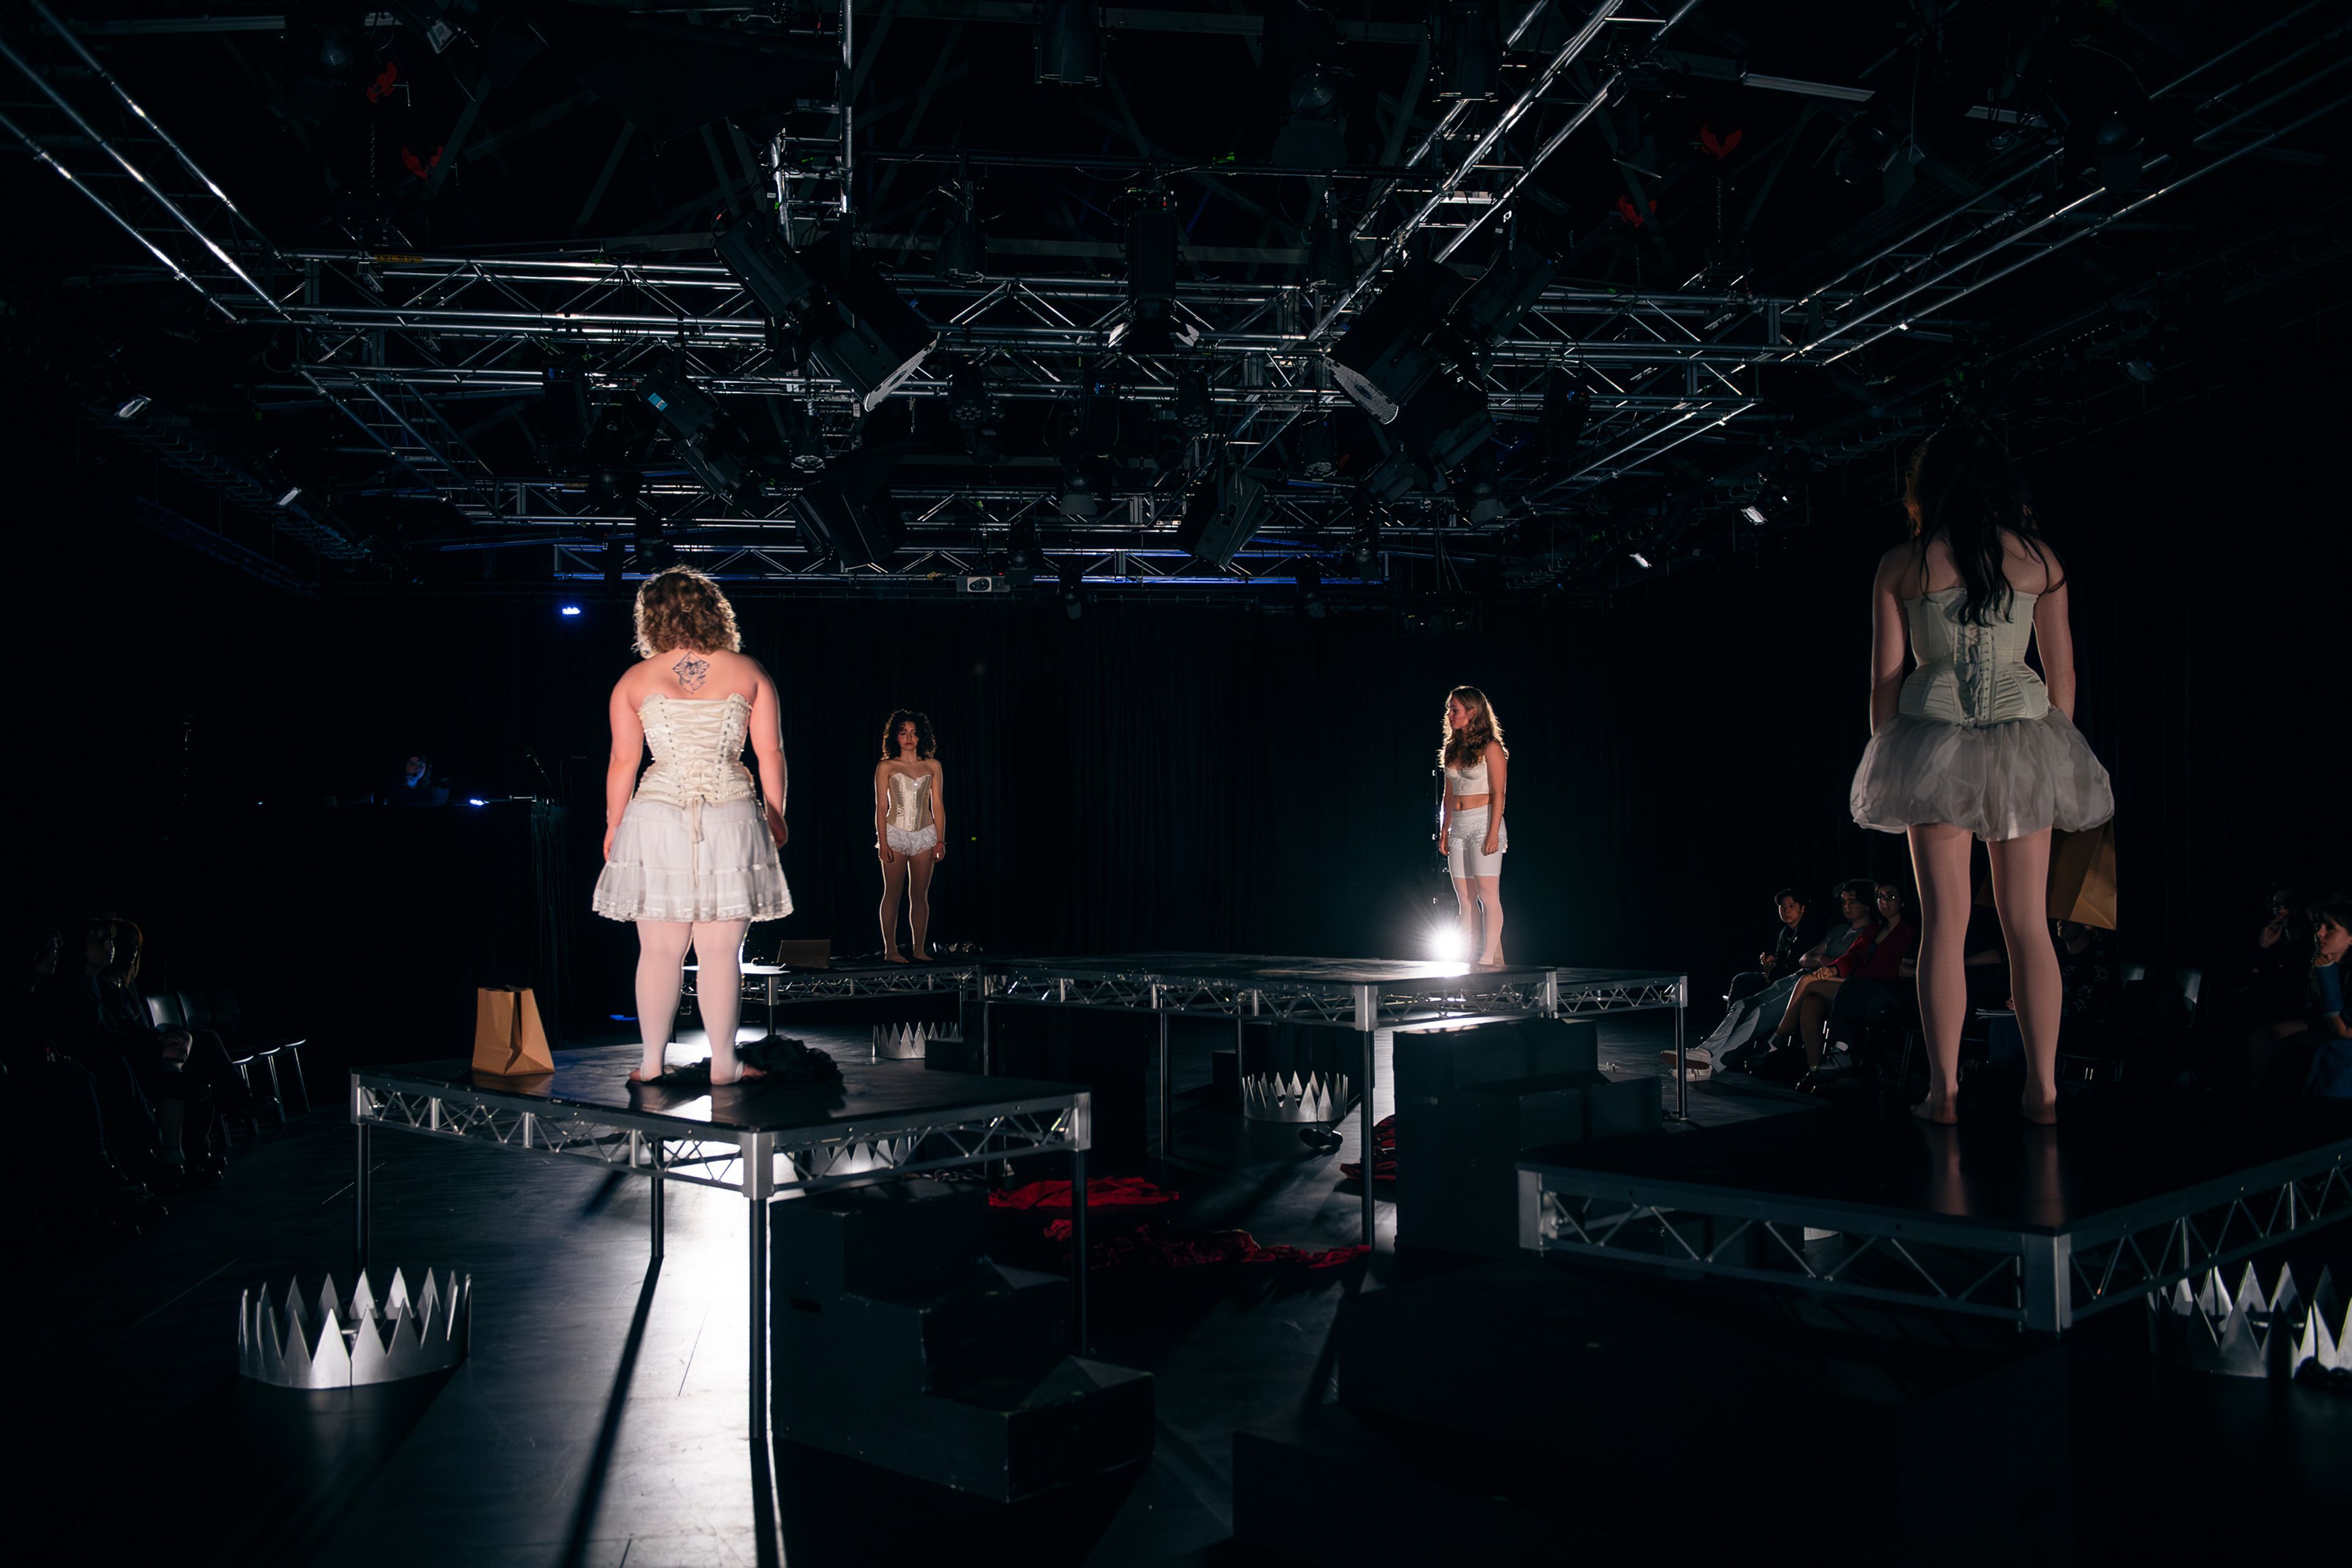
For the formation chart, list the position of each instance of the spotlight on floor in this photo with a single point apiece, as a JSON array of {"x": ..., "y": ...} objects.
[{"x": 1445, "y": 944}]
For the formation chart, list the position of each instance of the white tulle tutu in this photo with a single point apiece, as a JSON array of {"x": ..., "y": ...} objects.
[
  {"x": 1997, "y": 781},
  {"x": 659, "y": 871}
]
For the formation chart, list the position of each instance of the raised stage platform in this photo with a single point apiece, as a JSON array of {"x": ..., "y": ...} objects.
[
  {"x": 2040, "y": 1226},
  {"x": 763, "y": 1140},
  {"x": 1366, "y": 995}
]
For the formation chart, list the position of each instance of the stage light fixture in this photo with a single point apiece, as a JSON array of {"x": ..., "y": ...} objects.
[
  {"x": 704, "y": 439},
  {"x": 654, "y": 552},
  {"x": 1465, "y": 42},
  {"x": 1068, "y": 43},
  {"x": 1316, "y": 449},
  {"x": 1754, "y": 514},
  {"x": 1308, "y": 575},
  {"x": 131, "y": 408},
  {"x": 293, "y": 493},
  {"x": 847, "y": 512},
  {"x": 1072, "y": 580},
  {"x": 1493, "y": 305},
  {"x": 801, "y": 438},
  {"x": 1364, "y": 548},
  {"x": 569, "y": 610},
  {"x": 1639, "y": 559},
  {"x": 1384, "y": 356},
  {"x": 968, "y": 400},
  {"x": 1221, "y": 515},
  {"x": 1302, "y": 55},
  {"x": 963, "y": 247},
  {"x": 1560, "y": 427},
  {"x": 845, "y": 315},
  {"x": 2140, "y": 369},
  {"x": 1446, "y": 422},
  {"x": 1329, "y": 260},
  {"x": 1193, "y": 409},
  {"x": 1022, "y": 554},
  {"x": 1151, "y": 241}
]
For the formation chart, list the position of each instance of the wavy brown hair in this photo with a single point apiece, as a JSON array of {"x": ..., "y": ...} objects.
[
  {"x": 1483, "y": 730},
  {"x": 681, "y": 608},
  {"x": 925, "y": 742}
]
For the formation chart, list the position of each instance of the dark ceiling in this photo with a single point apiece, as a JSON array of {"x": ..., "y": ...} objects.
[{"x": 1450, "y": 301}]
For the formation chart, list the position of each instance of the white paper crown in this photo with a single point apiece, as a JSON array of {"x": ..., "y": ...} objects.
[
  {"x": 330, "y": 1340},
  {"x": 2251, "y": 1333}
]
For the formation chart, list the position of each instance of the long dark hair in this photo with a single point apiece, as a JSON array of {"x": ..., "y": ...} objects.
[
  {"x": 924, "y": 741},
  {"x": 1960, "y": 485}
]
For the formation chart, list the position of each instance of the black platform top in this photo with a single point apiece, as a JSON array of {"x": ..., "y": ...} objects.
[
  {"x": 598, "y": 1079},
  {"x": 1250, "y": 968},
  {"x": 1995, "y": 1169}
]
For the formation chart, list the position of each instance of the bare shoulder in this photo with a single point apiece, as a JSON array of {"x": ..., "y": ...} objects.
[
  {"x": 634, "y": 682},
  {"x": 2033, "y": 568},
  {"x": 1898, "y": 569}
]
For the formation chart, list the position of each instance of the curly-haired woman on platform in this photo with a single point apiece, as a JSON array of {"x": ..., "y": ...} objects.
[
  {"x": 909, "y": 827},
  {"x": 1477, "y": 774},
  {"x": 690, "y": 857},
  {"x": 1974, "y": 745}
]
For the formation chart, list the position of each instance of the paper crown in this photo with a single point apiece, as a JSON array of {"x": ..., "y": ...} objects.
[
  {"x": 2251, "y": 1333},
  {"x": 330, "y": 1340}
]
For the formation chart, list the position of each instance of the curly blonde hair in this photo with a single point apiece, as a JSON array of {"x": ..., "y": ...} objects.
[
  {"x": 1483, "y": 728},
  {"x": 681, "y": 608}
]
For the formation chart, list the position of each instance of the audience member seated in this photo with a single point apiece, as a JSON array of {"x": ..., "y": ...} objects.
[
  {"x": 1737, "y": 1035},
  {"x": 2265, "y": 980},
  {"x": 419, "y": 786},
  {"x": 2312, "y": 1054},
  {"x": 1797, "y": 934},
  {"x": 2092, "y": 980},
  {"x": 1875, "y": 958},
  {"x": 110, "y": 1032},
  {"x": 51, "y": 1106}
]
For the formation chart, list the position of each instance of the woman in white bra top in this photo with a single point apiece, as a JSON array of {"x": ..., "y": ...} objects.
[
  {"x": 909, "y": 827},
  {"x": 690, "y": 849},
  {"x": 1470, "y": 822}
]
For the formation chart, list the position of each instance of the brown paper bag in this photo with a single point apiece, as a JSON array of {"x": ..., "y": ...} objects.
[
  {"x": 2081, "y": 878},
  {"x": 508, "y": 1039},
  {"x": 810, "y": 954}
]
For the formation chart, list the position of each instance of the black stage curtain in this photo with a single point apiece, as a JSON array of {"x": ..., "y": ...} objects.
[{"x": 1204, "y": 776}]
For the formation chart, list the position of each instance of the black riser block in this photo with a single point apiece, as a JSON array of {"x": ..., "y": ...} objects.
[
  {"x": 1104, "y": 1051},
  {"x": 880, "y": 1240},
  {"x": 1334, "y": 1488},
  {"x": 1457, "y": 1176},
  {"x": 999, "y": 1321},
  {"x": 1003, "y": 1441},
  {"x": 1707, "y": 1406},
  {"x": 1432, "y": 1058}
]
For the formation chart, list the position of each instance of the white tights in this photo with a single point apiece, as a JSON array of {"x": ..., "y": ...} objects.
[{"x": 718, "y": 988}]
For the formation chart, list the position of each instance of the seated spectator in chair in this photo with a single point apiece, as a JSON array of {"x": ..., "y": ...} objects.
[
  {"x": 1797, "y": 934},
  {"x": 1739, "y": 1029},
  {"x": 2092, "y": 980},
  {"x": 96, "y": 1026},
  {"x": 2312, "y": 1053},
  {"x": 2266, "y": 979},
  {"x": 51, "y": 1103},
  {"x": 1876, "y": 958}
]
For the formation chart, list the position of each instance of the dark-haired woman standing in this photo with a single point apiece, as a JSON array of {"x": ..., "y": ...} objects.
[
  {"x": 1974, "y": 744},
  {"x": 909, "y": 827},
  {"x": 1477, "y": 776}
]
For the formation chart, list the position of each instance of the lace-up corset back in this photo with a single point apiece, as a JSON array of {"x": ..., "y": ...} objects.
[
  {"x": 697, "y": 749},
  {"x": 1971, "y": 674},
  {"x": 910, "y": 802}
]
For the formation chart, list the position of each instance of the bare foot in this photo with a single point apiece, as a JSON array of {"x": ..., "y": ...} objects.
[
  {"x": 1939, "y": 1110},
  {"x": 2038, "y": 1109},
  {"x": 741, "y": 1074},
  {"x": 894, "y": 958},
  {"x": 637, "y": 1075}
]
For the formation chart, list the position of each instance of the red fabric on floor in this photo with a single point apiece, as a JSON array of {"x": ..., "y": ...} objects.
[
  {"x": 1383, "y": 1153},
  {"x": 1103, "y": 1191}
]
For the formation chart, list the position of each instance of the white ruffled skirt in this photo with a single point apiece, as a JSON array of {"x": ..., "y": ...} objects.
[
  {"x": 1997, "y": 781},
  {"x": 664, "y": 866}
]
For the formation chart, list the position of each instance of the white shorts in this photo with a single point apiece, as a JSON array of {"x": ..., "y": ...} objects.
[
  {"x": 1465, "y": 845},
  {"x": 914, "y": 842}
]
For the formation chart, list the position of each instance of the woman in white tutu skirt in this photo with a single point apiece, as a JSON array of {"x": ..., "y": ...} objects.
[
  {"x": 690, "y": 852},
  {"x": 1973, "y": 743}
]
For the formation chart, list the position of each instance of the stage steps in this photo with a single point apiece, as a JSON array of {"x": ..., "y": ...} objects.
[
  {"x": 1708, "y": 1413},
  {"x": 896, "y": 1340}
]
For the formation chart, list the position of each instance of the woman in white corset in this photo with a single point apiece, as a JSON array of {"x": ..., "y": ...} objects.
[
  {"x": 909, "y": 827},
  {"x": 690, "y": 855},
  {"x": 1974, "y": 745},
  {"x": 1470, "y": 822}
]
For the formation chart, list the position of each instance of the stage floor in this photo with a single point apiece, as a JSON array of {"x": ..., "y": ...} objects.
[{"x": 601, "y": 1420}]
